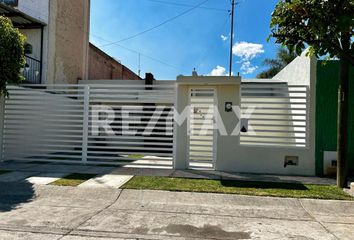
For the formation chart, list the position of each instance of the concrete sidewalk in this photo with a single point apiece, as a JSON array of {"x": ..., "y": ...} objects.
[
  {"x": 115, "y": 177},
  {"x": 50, "y": 212}
]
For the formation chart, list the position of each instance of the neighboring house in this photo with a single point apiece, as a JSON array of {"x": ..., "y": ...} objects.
[
  {"x": 104, "y": 67},
  {"x": 57, "y": 48},
  {"x": 57, "y": 34}
]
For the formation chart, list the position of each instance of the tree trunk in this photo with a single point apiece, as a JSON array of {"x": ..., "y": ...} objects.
[{"x": 343, "y": 108}]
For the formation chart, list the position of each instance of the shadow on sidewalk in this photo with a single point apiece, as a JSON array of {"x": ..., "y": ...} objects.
[{"x": 14, "y": 194}]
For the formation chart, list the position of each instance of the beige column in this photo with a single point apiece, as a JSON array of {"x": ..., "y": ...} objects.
[{"x": 68, "y": 45}]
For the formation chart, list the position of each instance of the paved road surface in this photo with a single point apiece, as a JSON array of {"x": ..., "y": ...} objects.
[{"x": 48, "y": 212}]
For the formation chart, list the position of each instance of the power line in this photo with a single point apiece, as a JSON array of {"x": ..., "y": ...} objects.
[
  {"x": 188, "y": 5},
  {"x": 212, "y": 46},
  {"x": 141, "y": 54},
  {"x": 157, "y": 26},
  {"x": 232, "y": 36}
]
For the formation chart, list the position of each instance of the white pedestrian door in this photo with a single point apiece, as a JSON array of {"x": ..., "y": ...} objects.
[{"x": 202, "y": 135}]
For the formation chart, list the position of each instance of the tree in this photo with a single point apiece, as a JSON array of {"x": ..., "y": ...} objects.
[
  {"x": 327, "y": 26},
  {"x": 12, "y": 58},
  {"x": 284, "y": 57}
]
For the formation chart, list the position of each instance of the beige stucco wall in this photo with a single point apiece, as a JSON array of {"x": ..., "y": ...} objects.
[
  {"x": 225, "y": 145},
  {"x": 180, "y": 131},
  {"x": 68, "y": 41}
]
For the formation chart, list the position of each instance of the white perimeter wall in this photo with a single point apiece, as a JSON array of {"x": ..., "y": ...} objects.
[
  {"x": 258, "y": 159},
  {"x": 234, "y": 157},
  {"x": 299, "y": 72}
]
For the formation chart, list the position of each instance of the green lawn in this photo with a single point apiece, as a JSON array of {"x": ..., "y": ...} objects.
[
  {"x": 73, "y": 180},
  {"x": 238, "y": 187}
]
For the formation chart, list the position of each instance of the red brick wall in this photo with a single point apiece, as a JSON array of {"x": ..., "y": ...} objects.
[{"x": 104, "y": 67}]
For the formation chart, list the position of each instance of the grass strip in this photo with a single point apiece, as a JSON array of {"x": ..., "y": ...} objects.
[
  {"x": 136, "y": 156},
  {"x": 290, "y": 190},
  {"x": 73, "y": 180}
]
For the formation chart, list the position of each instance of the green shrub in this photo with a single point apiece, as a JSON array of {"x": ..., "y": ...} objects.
[{"x": 12, "y": 58}]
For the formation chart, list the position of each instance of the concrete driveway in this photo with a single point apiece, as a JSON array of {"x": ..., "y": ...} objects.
[{"x": 49, "y": 212}]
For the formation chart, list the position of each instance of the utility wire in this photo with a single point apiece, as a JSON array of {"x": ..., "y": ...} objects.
[
  {"x": 142, "y": 54},
  {"x": 188, "y": 5},
  {"x": 157, "y": 26},
  {"x": 212, "y": 46}
]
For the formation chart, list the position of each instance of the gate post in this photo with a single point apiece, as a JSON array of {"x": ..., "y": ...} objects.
[
  {"x": 149, "y": 82},
  {"x": 2, "y": 120},
  {"x": 180, "y": 138},
  {"x": 85, "y": 126}
]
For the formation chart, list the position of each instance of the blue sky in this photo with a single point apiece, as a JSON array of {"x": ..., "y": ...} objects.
[{"x": 194, "y": 40}]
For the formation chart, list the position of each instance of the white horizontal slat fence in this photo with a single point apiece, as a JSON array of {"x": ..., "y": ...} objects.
[
  {"x": 58, "y": 123},
  {"x": 280, "y": 116},
  {"x": 55, "y": 122},
  {"x": 43, "y": 123}
]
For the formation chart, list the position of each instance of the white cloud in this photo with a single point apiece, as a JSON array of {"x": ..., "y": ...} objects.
[
  {"x": 247, "y": 67},
  {"x": 246, "y": 52},
  {"x": 224, "y": 38},
  {"x": 218, "y": 71}
]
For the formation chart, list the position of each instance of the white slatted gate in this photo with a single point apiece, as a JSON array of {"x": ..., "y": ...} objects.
[
  {"x": 56, "y": 123},
  {"x": 202, "y": 134}
]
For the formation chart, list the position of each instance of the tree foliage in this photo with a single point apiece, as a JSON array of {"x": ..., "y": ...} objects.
[
  {"x": 321, "y": 24},
  {"x": 284, "y": 57},
  {"x": 11, "y": 54}
]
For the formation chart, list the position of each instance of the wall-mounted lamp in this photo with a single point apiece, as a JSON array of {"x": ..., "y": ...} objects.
[{"x": 228, "y": 107}]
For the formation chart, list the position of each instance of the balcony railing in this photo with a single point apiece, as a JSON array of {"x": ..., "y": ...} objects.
[{"x": 32, "y": 71}]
